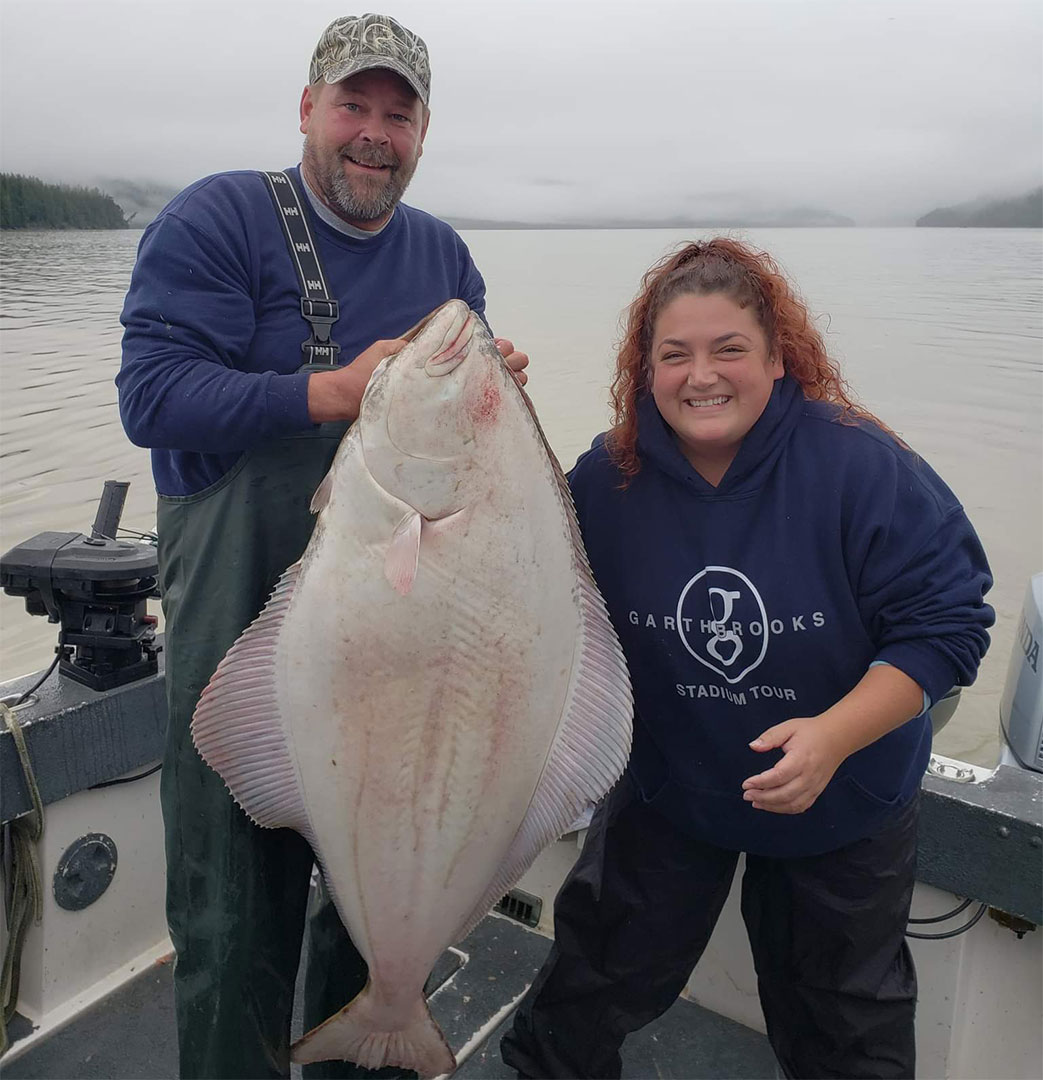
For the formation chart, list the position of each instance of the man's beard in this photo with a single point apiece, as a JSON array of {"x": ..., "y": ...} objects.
[{"x": 357, "y": 199}]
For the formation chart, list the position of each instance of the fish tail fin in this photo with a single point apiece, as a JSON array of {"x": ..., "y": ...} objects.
[{"x": 360, "y": 1033}]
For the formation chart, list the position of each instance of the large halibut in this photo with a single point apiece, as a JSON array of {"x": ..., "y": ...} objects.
[{"x": 434, "y": 692}]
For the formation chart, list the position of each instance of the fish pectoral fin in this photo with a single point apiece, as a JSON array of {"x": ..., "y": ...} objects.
[
  {"x": 403, "y": 553},
  {"x": 322, "y": 493},
  {"x": 363, "y": 1033}
]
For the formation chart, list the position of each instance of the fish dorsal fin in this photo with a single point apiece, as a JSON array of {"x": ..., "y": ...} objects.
[
  {"x": 403, "y": 553},
  {"x": 592, "y": 746},
  {"x": 237, "y": 726}
]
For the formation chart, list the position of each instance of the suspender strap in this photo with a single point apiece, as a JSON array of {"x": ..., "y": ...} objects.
[{"x": 317, "y": 306}]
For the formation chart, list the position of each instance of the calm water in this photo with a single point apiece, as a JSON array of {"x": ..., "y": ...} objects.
[{"x": 940, "y": 332}]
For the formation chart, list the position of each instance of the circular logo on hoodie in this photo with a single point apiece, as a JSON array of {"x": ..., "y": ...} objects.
[{"x": 722, "y": 622}]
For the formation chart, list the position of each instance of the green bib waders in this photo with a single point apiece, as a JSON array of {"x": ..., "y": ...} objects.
[{"x": 237, "y": 894}]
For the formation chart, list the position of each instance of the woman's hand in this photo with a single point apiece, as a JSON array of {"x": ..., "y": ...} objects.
[
  {"x": 811, "y": 755},
  {"x": 814, "y": 746}
]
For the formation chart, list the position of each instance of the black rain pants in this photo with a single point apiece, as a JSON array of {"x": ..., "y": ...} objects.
[{"x": 834, "y": 973}]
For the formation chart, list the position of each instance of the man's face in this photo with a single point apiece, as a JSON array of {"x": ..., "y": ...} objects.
[{"x": 362, "y": 140}]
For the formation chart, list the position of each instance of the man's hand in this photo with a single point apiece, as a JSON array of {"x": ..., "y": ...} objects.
[
  {"x": 337, "y": 395},
  {"x": 516, "y": 361},
  {"x": 811, "y": 755}
]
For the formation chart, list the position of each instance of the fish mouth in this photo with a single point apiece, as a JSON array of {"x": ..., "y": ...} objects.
[
  {"x": 452, "y": 354},
  {"x": 439, "y": 344},
  {"x": 419, "y": 327},
  {"x": 459, "y": 325}
]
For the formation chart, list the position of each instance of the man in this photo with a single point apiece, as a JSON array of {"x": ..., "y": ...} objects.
[{"x": 241, "y": 433}]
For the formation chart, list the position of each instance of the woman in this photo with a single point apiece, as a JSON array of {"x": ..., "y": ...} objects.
[{"x": 793, "y": 587}]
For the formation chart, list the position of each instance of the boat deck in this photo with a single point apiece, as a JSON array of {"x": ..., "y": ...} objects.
[{"x": 473, "y": 991}]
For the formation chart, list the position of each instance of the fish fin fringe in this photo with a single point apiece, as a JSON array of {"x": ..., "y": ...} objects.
[
  {"x": 592, "y": 746},
  {"x": 237, "y": 726},
  {"x": 355, "y": 1034},
  {"x": 403, "y": 553},
  {"x": 322, "y": 494}
]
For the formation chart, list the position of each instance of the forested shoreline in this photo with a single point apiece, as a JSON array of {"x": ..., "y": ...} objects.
[
  {"x": 29, "y": 203},
  {"x": 1022, "y": 212}
]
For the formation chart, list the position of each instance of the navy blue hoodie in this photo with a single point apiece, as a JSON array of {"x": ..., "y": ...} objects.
[{"x": 826, "y": 546}]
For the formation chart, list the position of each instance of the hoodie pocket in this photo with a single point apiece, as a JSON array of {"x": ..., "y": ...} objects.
[{"x": 870, "y": 798}]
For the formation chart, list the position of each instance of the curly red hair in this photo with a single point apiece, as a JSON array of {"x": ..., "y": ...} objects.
[{"x": 750, "y": 278}]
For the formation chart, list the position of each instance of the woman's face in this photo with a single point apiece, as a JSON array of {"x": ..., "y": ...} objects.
[{"x": 712, "y": 374}]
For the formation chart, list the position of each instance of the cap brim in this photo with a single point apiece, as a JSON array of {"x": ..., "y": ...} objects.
[{"x": 367, "y": 63}]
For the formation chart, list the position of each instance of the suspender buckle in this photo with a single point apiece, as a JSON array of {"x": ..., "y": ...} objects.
[
  {"x": 321, "y": 315},
  {"x": 318, "y": 310},
  {"x": 320, "y": 352}
]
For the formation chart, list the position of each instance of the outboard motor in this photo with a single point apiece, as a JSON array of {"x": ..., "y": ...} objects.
[
  {"x": 96, "y": 587},
  {"x": 1021, "y": 707}
]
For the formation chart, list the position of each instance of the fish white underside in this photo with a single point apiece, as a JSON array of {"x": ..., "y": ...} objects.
[{"x": 428, "y": 743}]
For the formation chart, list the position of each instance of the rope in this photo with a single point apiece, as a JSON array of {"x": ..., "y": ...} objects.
[{"x": 24, "y": 888}]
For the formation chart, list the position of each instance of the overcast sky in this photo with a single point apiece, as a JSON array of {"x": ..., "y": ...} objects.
[{"x": 877, "y": 109}]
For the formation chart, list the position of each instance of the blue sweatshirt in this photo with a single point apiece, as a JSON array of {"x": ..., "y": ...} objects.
[
  {"x": 213, "y": 326},
  {"x": 827, "y": 546}
]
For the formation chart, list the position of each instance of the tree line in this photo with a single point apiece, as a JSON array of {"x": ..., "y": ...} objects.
[
  {"x": 28, "y": 203},
  {"x": 1024, "y": 211}
]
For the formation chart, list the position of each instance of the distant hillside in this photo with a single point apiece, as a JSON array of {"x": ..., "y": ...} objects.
[
  {"x": 1025, "y": 211},
  {"x": 798, "y": 217},
  {"x": 29, "y": 203},
  {"x": 141, "y": 201}
]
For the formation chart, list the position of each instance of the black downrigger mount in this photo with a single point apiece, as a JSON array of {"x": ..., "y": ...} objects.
[{"x": 97, "y": 588}]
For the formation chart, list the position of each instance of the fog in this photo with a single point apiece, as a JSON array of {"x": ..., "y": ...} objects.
[{"x": 570, "y": 110}]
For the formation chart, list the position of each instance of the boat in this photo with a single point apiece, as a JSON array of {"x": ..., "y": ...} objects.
[{"x": 94, "y": 994}]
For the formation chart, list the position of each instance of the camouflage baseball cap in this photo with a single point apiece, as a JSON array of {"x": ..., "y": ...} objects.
[{"x": 357, "y": 43}]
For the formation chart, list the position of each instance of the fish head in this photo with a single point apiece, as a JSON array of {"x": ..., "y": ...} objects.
[{"x": 426, "y": 407}]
